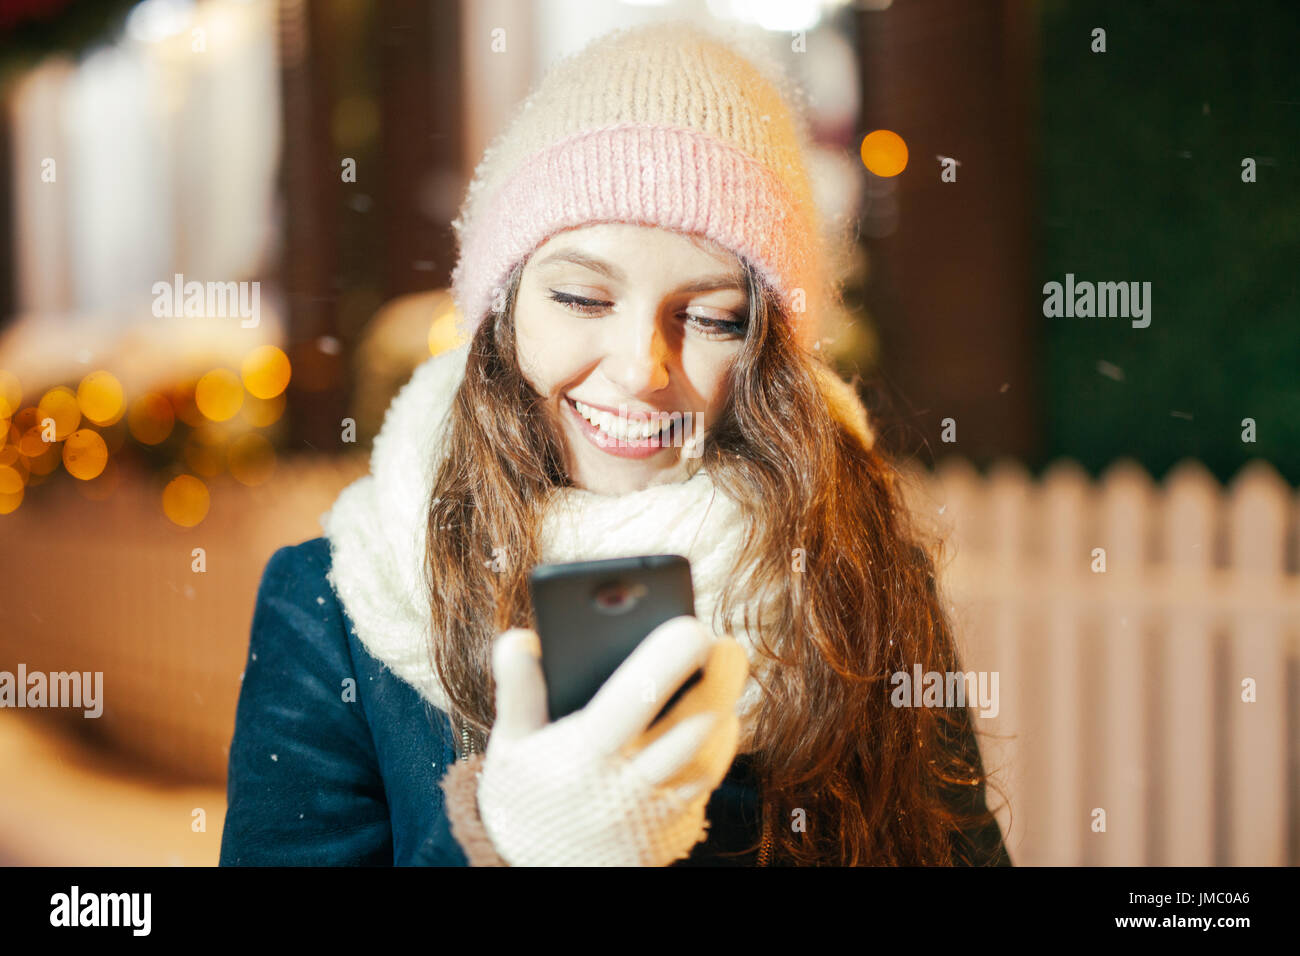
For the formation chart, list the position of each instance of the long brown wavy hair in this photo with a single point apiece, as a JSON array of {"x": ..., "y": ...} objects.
[{"x": 877, "y": 784}]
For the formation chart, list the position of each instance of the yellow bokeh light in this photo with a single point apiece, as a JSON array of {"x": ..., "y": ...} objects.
[
  {"x": 252, "y": 459},
  {"x": 100, "y": 398},
  {"x": 185, "y": 500},
  {"x": 85, "y": 454},
  {"x": 443, "y": 333},
  {"x": 151, "y": 419},
  {"x": 884, "y": 153},
  {"x": 45, "y": 462},
  {"x": 219, "y": 395},
  {"x": 261, "y": 412},
  {"x": 10, "y": 503},
  {"x": 11, "y": 480},
  {"x": 265, "y": 371},
  {"x": 59, "y": 404},
  {"x": 24, "y": 420},
  {"x": 33, "y": 444},
  {"x": 24, "y": 470},
  {"x": 9, "y": 451},
  {"x": 11, "y": 394}
]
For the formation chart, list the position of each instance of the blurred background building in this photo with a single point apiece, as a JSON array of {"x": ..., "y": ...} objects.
[{"x": 310, "y": 156}]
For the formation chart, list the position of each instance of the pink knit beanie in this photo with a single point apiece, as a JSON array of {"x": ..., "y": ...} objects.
[{"x": 666, "y": 125}]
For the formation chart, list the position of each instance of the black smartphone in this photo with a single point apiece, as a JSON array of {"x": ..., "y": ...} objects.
[{"x": 592, "y": 614}]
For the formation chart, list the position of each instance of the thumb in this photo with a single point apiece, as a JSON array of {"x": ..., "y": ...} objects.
[{"x": 520, "y": 686}]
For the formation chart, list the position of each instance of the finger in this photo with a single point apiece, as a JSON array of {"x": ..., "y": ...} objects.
[
  {"x": 520, "y": 686},
  {"x": 690, "y": 761},
  {"x": 670, "y": 752},
  {"x": 632, "y": 696},
  {"x": 713, "y": 762},
  {"x": 725, "y": 673}
]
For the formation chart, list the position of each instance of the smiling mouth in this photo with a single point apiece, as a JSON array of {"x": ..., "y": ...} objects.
[{"x": 628, "y": 436}]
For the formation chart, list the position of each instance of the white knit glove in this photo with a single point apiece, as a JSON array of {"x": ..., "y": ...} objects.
[{"x": 596, "y": 788}]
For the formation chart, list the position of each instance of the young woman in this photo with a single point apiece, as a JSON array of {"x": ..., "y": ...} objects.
[{"x": 641, "y": 270}]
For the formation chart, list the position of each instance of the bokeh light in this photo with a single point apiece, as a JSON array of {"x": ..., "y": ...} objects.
[
  {"x": 151, "y": 419},
  {"x": 443, "y": 333},
  {"x": 25, "y": 419},
  {"x": 100, "y": 398},
  {"x": 59, "y": 404},
  {"x": 9, "y": 447},
  {"x": 45, "y": 462},
  {"x": 33, "y": 443},
  {"x": 185, "y": 500},
  {"x": 265, "y": 371},
  {"x": 21, "y": 468},
  {"x": 252, "y": 459},
  {"x": 11, "y": 480},
  {"x": 10, "y": 503},
  {"x": 11, "y": 394},
  {"x": 219, "y": 394},
  {"x": 884, "y": 153},
  {"x": 85, "y": 454}
]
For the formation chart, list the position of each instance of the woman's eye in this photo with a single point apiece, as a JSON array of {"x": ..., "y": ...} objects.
[
  {"x": 576, "y": 303},
  {"x": 716, "y": 328}
]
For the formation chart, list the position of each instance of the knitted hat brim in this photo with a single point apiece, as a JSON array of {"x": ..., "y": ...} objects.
[{"x": 671, "y": 177}]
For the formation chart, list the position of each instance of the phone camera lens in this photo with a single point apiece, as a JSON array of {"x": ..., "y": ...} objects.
[{"x": 616, "y": 597}]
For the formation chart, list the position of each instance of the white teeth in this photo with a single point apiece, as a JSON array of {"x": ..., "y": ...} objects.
[{"x": 622, "y": 429}]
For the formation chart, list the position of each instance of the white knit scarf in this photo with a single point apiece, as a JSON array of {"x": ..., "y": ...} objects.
[{"x": 376, "y": 530}]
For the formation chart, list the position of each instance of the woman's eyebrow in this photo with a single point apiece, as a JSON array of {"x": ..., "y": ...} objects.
[
  {"x": 606, "y": 269},
  {"x": 710, "y": 283},
  {"x": 610, "y": 271}
]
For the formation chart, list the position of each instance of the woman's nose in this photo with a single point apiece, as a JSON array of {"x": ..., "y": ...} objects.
[{"x": 639, "y": 358}]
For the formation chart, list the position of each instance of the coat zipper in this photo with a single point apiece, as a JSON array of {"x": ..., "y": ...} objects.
[
  {"x": 764, "y": 850},
  {"x": 466, "y": 745}
]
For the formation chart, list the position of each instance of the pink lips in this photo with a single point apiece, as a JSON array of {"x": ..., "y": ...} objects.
[{"x": 621, "y": 448}]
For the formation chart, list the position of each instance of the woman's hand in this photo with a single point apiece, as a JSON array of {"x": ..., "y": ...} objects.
[{"x": 597, "y": 788}]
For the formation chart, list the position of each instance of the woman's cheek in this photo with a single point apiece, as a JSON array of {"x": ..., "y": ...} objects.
[
  {"x": 527, "y": 353},
  {"x": 708, "y": 373}
]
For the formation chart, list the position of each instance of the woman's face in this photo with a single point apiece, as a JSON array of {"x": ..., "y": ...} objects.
[{"x": 618, "y": 327}]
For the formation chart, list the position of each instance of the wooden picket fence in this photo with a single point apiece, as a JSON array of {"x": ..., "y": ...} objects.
[{"x": 1156, "y": 697}]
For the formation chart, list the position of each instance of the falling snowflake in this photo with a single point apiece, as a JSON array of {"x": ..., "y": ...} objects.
[{"x": 1110, "y": 371}]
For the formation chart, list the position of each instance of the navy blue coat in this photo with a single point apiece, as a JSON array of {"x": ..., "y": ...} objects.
[{"x": 317, "y": 780}]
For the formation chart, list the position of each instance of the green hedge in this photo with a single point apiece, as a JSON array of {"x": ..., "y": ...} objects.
[{"x": 1141, "y": 180}]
